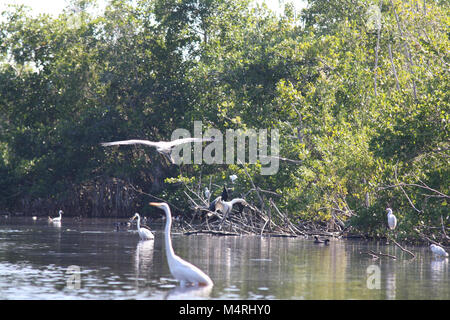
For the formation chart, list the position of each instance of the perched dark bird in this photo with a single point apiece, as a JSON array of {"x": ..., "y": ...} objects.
[
  {"x": 324, "y": 241},
  {"x": 121, "y": 225},
  {"x": 223, "y": 196}
]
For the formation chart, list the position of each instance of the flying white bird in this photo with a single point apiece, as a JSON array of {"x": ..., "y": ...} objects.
[
  {"x": 439, "y": 251},
  {"x": 182, "y": 270},
  {"x": 144, "y": 232},
  {"x": 57, "y": 219},
  {"x": 233, "y": 177},
  {"x": 392, "y": 220},
  {"x": 163, "y": 147}
]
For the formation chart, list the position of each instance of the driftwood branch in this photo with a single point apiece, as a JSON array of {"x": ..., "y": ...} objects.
[
  {"x": 407, "y": 52},
  {"x": 383, "y": 254},
  {"x": 393, "y": 68},
  {"x": 377, "y": 49},
  {"x": 376, "y": 255},
  {"x": 213, "y": 232},
  {"x": 424, "y": 237},
  {"x": 443, "y": 229},
  {"x": 404, "y": 192},
  {"x": 154, "y": 197},
  {"x": 401, "y": 184},
  {"x": 401, "y": 248},
  {"x": 253, "y": 185}
]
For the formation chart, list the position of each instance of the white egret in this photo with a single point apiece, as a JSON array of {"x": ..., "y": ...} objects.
[
  {"x": 392, "y": 220},
  {"x": 57, "y": 219},
  {"x": 182, "y": 270},
  {"x": 207, "y": 193},
  {"x": 163, "y": 147},
  {"x": 439, "y": 251},
  {"x": 233, "y": 178},
  {"x": 144, "y": 232}
]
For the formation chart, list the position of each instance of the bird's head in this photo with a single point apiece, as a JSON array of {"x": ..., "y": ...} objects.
[
  {"x": 136, "y": 215},
  {"x": 160, "y": 205},
  {"x": 61, "y": 212},
  {"x": 389, "y": 210}
]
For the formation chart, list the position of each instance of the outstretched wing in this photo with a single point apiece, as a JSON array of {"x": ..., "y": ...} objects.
[
  {"x": 212, "y": 205},
  {"x": 133, "y": 141},
  {"x": 187, "y": 140},
  {"x": 240, "y": 207}
]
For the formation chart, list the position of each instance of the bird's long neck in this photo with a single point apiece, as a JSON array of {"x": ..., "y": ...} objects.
[
  {"x": 168, "y": 240},
  {"x": 138, "y": 223}
]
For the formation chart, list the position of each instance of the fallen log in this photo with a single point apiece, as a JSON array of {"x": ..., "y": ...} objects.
[{"x": 213, "y": 232}]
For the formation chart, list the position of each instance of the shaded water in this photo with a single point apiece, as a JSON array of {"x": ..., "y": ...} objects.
[{"x": 36, "y": 259}]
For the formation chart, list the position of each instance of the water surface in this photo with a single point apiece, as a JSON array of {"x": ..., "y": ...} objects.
[{"x": 37, "y": 260}]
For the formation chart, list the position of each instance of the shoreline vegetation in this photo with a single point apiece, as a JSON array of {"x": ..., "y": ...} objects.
[
  {"x": 358, "y": 92},
  {"x": 266, "y": 222}
]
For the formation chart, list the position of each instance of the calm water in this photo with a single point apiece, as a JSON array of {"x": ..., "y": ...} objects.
[{"x": 36, "y": 259}]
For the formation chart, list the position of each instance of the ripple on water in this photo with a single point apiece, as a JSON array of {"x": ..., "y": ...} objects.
[
  {"x": 167, "y": 286},
  {"x": 231, "y": 289},
  {"x": 22, "y": 281}
]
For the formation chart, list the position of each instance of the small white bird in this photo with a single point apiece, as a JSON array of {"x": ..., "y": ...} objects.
[
  {"x": 233, "y": 177},
  {"x": 163, "y": 147},
  {"x": 439, "y": 251},
  {"x": 57, "y": 219},
  {"x": 144, "y": 232},
  {"x": 392, "y": 220},
  {"x": 182, "y": 270},
  {"x": 207, "y": 193}
]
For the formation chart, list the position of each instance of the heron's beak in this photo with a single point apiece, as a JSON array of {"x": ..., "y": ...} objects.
[{"x": 154, "y": 204}]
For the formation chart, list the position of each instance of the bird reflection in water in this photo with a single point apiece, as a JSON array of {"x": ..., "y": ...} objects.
[
  {"x": 143, "y": 257},
  {"x": 187, "y": 293}
]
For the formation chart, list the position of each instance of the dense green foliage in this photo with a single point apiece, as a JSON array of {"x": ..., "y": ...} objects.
[{"x": 363, "y": 111}]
